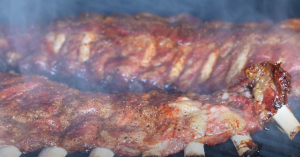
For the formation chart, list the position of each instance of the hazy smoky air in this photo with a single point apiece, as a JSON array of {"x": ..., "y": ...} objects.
[{"x": 28, "y": 11}]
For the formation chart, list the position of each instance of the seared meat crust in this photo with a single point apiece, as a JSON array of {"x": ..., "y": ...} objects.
[
  {"x": 144, "y": 52},
  {"x": 35, "y": 113}
]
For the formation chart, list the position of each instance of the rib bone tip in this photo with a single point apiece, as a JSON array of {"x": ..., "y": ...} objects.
[
  {"x": 53, "y": 152},
  {"x": 244, "y": 144},
  {"x": 287, "y": 121},
  {"x": 101, "y": 152},
  {"x": 9, "y": 151},
  {"x": 151, "y": 154},
  {"x": 194, "y": 149}
]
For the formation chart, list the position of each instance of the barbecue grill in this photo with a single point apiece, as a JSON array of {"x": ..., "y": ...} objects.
[{"x": 271, "y": 141}]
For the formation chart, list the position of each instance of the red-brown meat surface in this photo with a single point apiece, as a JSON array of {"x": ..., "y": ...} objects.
[
  {"x": 35, "y": 112},
  {"x": 145, "y": 52}
]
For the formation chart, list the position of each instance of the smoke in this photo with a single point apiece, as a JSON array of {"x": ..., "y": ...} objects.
[
  {"x": 27, "y": 12},
  {"x": 31, "y": 11}
]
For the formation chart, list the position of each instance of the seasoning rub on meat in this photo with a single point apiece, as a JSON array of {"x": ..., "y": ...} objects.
[
  {"x": 36, "y": 113},
  {"x": 145, "y": 52}
]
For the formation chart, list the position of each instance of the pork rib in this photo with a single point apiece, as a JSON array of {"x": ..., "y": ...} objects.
[
  {"x": 146, "y": 52},
  {"x": 35, "y": 113}
]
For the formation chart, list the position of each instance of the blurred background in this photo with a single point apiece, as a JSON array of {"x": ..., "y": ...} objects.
[{"x": 16, "y": 11}]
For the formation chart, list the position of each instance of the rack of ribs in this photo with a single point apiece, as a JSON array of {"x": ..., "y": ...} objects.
[
  {"x": 37, "y": 113},
  {"x": 145, "y": 52}
]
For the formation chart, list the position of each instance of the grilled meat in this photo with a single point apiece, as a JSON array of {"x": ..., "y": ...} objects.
[
  {"x": 145, "y": 52},
  {"x": 35, "y": 112}
]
